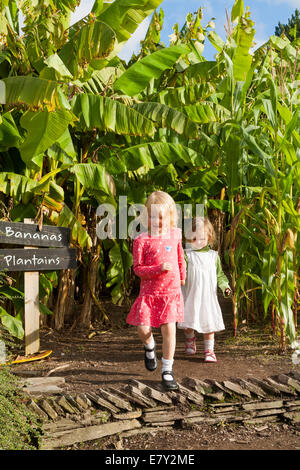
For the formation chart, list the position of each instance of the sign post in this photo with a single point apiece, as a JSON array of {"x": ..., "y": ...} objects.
[
  {"x": 31, "y": 260},
  {"x": 31, "y": 308}
]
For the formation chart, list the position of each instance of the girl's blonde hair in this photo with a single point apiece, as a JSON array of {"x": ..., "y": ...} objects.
[
  {"x": 161, "y": 198},
  {"x": 202, "y": 223}
]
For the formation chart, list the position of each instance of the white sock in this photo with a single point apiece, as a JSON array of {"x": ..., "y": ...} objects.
[
  {"x": 150, "y": 354},
  {"x": 166, "y": 364},
  {"x": 189, "y": 335},
  {"x": 209, "y": 344}
]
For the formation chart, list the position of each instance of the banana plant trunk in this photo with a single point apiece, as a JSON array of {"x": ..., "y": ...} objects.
[{"x": 65, "y": 298}]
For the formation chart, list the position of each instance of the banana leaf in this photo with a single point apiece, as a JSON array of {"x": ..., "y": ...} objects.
[
  {"x": 185, "y": 95},
  {"x": 124, "y": 16},
  {"x": 32, "y": 91},
  {"x": 138, "y": 76},
  {"x": 166, "y": 116},
  {"x": 43, "y": 130},
  {"x": 107, "y": 114},
  {"x": 91, "y": 42},
  {"x": 12, "y": 324},
  {"x": 66, "y": 218},
  {"x": 9, "y": 134},
  {"x": 145, "y": 154}
]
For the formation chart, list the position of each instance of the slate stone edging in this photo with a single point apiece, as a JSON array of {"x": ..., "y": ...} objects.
[{"x": 68, "y": 418}]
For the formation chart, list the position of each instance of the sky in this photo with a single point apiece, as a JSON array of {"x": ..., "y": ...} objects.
[{"x": 265, "y": 13}]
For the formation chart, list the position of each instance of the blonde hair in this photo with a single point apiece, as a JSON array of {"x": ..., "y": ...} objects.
[
  {"x": 202, "y": 223},
  {"x": 163, "y": 199}
]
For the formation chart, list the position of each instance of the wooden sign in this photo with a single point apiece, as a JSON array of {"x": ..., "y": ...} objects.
[
  {"x": 58, "y": 255},
  {"x": 28, "y": 234},
  {"x": 42, "y": 259}
]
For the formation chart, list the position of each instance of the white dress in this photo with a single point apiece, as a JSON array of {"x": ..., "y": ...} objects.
[{"x": 202, "y": 311}]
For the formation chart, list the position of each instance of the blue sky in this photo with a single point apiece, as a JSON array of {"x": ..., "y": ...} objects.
[{"x": 265, "y": 14}]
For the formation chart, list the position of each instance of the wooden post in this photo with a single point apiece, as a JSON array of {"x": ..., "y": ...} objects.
[{"x": 32, "y": 311}]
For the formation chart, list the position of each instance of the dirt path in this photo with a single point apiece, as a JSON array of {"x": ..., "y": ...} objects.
[{"x": 116, "y": 356}]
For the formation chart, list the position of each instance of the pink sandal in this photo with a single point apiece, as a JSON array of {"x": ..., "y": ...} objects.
[
  {"x": 209, "y": 356},
  {"x": 190, "y": 345}
]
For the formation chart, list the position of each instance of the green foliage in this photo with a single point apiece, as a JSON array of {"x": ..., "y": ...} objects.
[
  {"x": 81, "y": 127},
  {"x": 19, "y": 428},
  {"x": 292, "y": 29}
]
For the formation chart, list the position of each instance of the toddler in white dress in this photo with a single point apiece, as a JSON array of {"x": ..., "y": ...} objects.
[{"x": 202, "y": 312}]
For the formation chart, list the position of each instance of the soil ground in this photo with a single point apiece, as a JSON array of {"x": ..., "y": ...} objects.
[{"x": 113, "y": 356}]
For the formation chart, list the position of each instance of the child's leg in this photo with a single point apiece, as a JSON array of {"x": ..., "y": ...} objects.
[
  {"x": 209, "y": 342},
  {"x": 168, "y": 331},
  {"x": 145, "y": 335},
  {"x": 190, "y": 341}
]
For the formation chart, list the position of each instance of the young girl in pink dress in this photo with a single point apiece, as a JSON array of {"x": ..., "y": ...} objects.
[{"x": 158, "y": 259}]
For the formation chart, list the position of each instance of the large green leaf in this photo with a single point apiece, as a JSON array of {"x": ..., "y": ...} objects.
[
  {"x": 94, "y": 178},
  {"x": 139, "y": 75},
  {"x": 237, "y": 10},
  {"x": 12, "y": 324},
  {"x": 43, "y": 129},
  {"x": 66, "y": 218},
  {"x": 23, "y": 188},
  {"x": 124, "y": 16},
  {"x": 145, "y": 154},
  {"x": 204, "y": 71},
  {"x": 185, "y": 95},
  {"x": 9, "y": 134},
  {"x": 32, "y": 91},
  {"x": 90, "y": 40},
  {"x": 110, "y": 115},
  {"x": 200, "y": 113},
  {"x": 166, "y": 116},
  {"x": 243, "y": 36}
]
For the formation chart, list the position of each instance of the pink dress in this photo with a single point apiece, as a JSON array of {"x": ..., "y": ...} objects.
[{"x": 160, "y": 298}]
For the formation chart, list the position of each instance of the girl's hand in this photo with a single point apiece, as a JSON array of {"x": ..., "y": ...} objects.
[
  {"x": 228, "y": 292},
  {"x": 166, "y": 267},
  {"x": 182, "y": 283}
]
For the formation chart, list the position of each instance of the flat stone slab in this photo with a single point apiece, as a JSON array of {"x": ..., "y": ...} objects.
[
  {"x": 35, "y": 381},
  {"x": 136, "y": 392},
  {"x": 45, "y": 405},
  {"x": 267, "y": 387},
  {"x": 262, "y": 405},
  {"x": 196, "y": 398},
  {"x": 129, "y": 415},
  {"x": 281, "y": 387},
  {"x": 254, "y": 389},
  {"x": 203, "y": 388},
  {"x": 115, "y": 400},
  {"x": 66, "y": 405},
  {"x": 102, "y": 402},
  {"x": 286, "y": 380},
  {"x": 43, "y": 390},
  {"x": 72, "y": 436},
  {"x": 151, "y": 392},
  {"x": 235, "y": 388}
]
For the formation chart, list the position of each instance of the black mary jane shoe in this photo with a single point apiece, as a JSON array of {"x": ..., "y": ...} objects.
[
  {"x": 169, "y": 384},
  {"x": 150, "y": 364}
]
